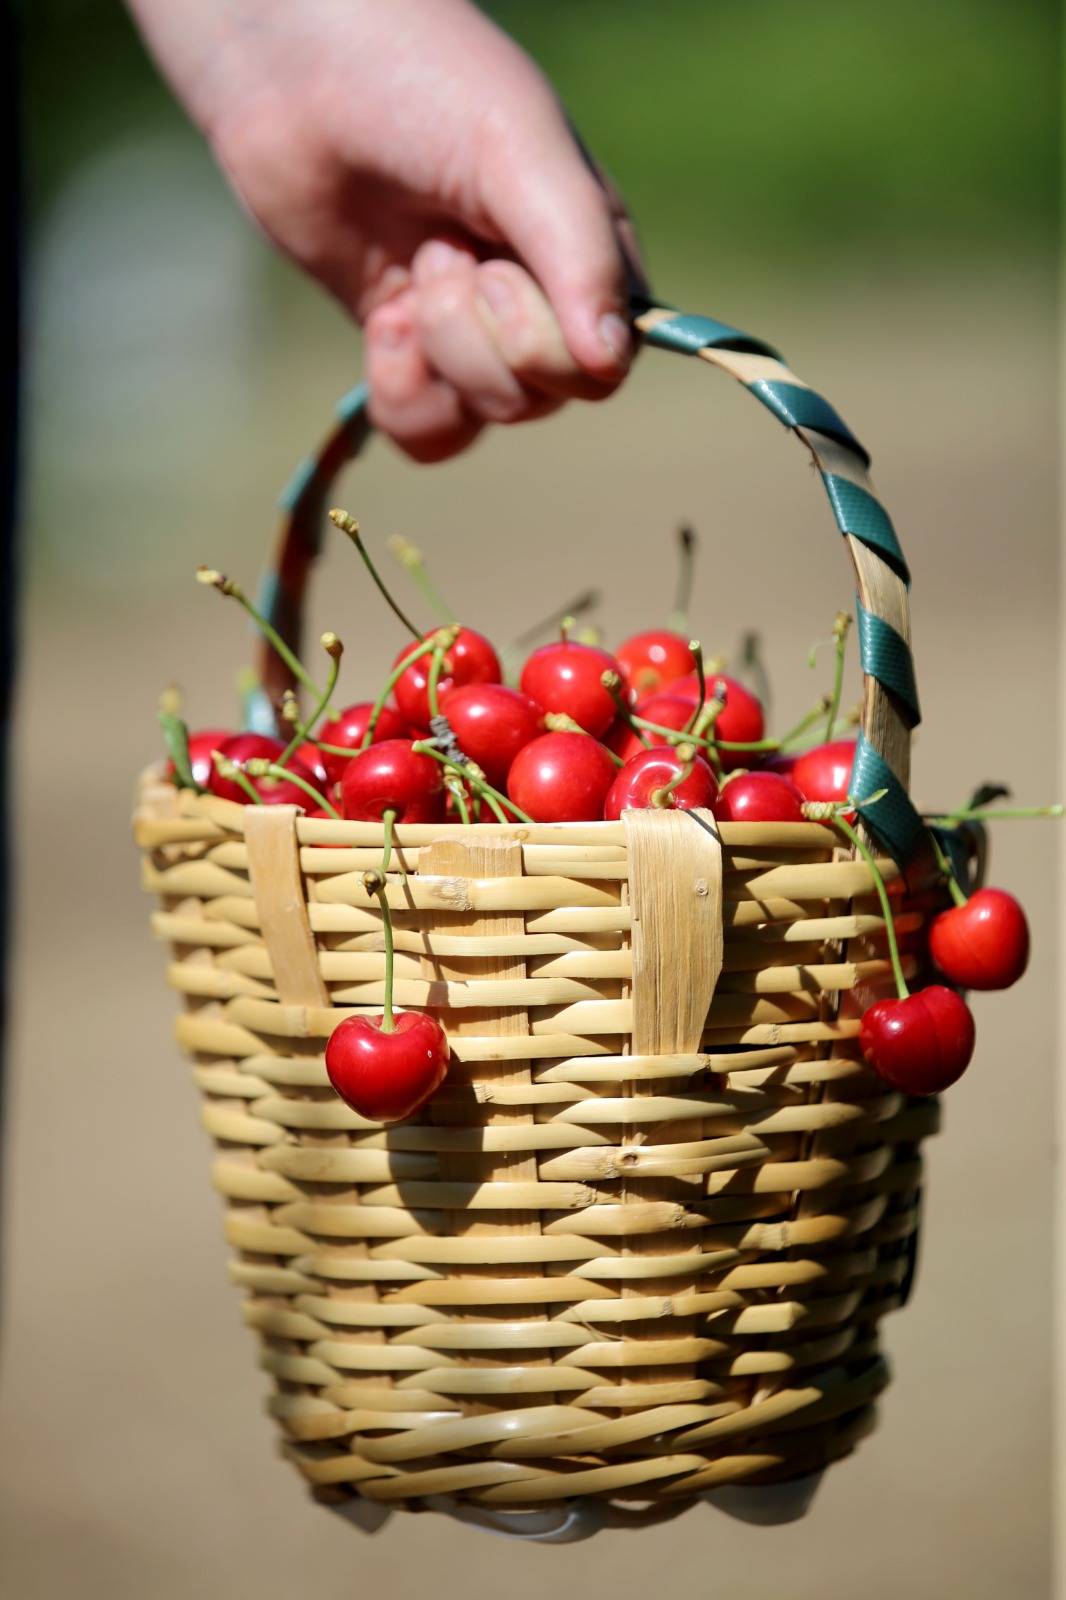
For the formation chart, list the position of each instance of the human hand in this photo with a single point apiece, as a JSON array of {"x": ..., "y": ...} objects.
[{"x": 415, "y": 161}]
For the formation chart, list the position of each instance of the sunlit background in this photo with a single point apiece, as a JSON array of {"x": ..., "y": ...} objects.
[{"x": 871, "y": 188}]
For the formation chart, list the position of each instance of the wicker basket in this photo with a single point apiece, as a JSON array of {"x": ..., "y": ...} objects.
[{"x": 639, "y": 1245}]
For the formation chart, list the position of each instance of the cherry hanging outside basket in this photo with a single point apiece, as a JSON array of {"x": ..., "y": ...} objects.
[{"x": 639, "y": 1245}]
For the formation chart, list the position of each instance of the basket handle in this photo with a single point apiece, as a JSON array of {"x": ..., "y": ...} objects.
[{"x": 890, "y": 701}]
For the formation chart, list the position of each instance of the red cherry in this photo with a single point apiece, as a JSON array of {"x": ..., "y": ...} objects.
[
  {"x": 561, "y": 777},
  {"x": 492, "y": 723},
  {"x": 667, "y": 710},
  {"x": 983, "y": 944},
  {"x": 348, "y": 729},
  {"x": 387, "y": 1076},
  {"x": 315, "y": 762},
  {"x": 740, "y": 720},
  {"x": 200, "y": 748},
  {"x": 242, "y": 747},
  {"x": 921, "y": 1044},
  {"x": 565, "y": 676},
  {"x": 759, "y": 797},
  {"x": 648, "y": 660},
  {"x": 392, "y": 776},
  {"x": 471, "y": 659},
  {"x": 649, "y": 771},
  {"x": 824, "y": 773}
]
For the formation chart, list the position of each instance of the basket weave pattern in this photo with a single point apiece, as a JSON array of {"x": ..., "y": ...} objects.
[{"x": 613, "y": 1256}]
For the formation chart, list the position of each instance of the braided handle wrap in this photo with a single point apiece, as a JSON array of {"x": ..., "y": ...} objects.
[{"x": 890, "y": 701}]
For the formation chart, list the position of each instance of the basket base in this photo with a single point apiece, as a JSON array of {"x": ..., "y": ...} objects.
[{"x": 762, "y": 1505}]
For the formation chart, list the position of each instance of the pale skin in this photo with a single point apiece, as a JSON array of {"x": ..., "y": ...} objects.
[{"x": 411, "y": 158}]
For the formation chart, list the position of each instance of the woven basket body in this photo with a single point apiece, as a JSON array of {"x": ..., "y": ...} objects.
[{"x": 639, "y": 1245}]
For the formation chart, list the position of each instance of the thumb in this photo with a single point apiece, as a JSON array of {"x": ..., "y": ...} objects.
[{"x": 556, "y": 218}]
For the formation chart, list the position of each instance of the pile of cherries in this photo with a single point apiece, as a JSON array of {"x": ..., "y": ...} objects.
[{"x": 585, "y": 734}]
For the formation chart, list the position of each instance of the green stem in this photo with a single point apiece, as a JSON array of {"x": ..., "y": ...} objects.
[
  {"x": 272, "y": 770},
  {"x": 233, "y": 591},
  {"x": 376, "y": 884},
  {"x": 426, "y": 647},
  {"x": 867, "y": 854},
  {"x": 409, "y": 556},
  {"x": 456, "y": 792},
  {"x": 238, "y": 777},
  {"x": 388, "y": 819},
  {"x": 840, "y": 638},
  {"x": 947, "y": 872},
  {"x": 613, "y": 684},
  {"x": 701, "y": 683},
  {"x": 481, "y": 786},
  {"x": 302, "y": 730},
  {"x": 661, "y": 798},
  {"x": 1004, "y": 813},
  {"x": 347, "y": 524},
  {"x": 436, "y": 667},
  {"x": 686, "y": 540}
]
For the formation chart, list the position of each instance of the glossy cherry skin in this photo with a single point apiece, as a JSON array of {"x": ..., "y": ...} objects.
[
  {"x": 667, "y": 710},
  {"x": 242, "y": 747},
  {"x": 759, "y": 797},
  {"x": 492, "y": 723},
  {"x": 315, "y": 762},
  {"x": 824, "y": 773},
  {"x": 348, "y": 728},
  {"x": 392, "y": 776},
  {"x": 921, "y": 1044},
  {"x": 740, "y": 720},
  {"x": 561, "y": 777},
  {"x": 471, "y": 659},
  {"x": 565, "y": 676},
  {"x": 649, "y": 771},
  {"x": 983, "y": 944},
  {"x": 200, "y": 748},
  {"x": 386, "y": 1077},
  {"x": 648, "y": 660}
]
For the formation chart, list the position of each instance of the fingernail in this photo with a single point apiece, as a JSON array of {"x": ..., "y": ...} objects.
[
  {"x": 614, "y": 333},
  {"x": 436, "y": 258},
  {"x": 498, "y": 295}
]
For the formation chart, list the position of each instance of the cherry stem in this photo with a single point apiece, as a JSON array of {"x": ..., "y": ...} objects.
[
  {"x": 562, "y": 722},
  {"x": 230, "y": 770},
  {"x": 613, "y": 684},
  {"x": 686, "y": 549},
  {"x": 1002, "y": 814},
  {"x": 947, "y": 872},
  {"x": 455, "y": 789},
  {"x": 425, "y": 648},
  {"x": 436, "y": 667},
  {"x": 664, "y": 797},
  {"x": 347, "y": 524},
  {"x": 271, "y": 769},
  {"x": 374, "y": 883},
  {"x": 841, "y": 625},
  {"x": 752, "y": 666},
  {"x": 577, "y": 607},
  {"x": 863, "y": 849},
  {"x": 701, "y": 685},
  {"x": 233, "y": 591},
  {"x": 476, "y": 779},
  {"x": 302, "y": 730},
  {"x": 410, "y": 556}
]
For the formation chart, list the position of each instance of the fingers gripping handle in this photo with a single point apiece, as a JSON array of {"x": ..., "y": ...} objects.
[{"x": 890, "y": 702}]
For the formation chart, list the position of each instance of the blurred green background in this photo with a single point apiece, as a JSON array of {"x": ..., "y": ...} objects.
[{"x": 872, "y": 187}]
